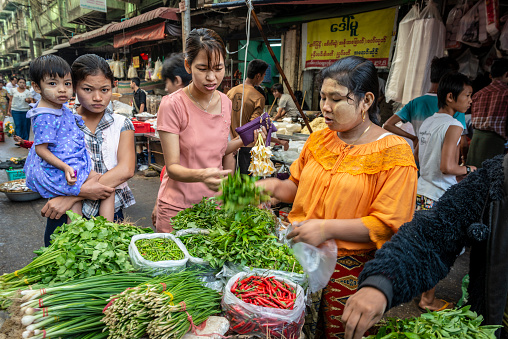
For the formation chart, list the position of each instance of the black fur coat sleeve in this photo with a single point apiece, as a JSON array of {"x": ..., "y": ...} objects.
[{"x": 424, "y": 249}]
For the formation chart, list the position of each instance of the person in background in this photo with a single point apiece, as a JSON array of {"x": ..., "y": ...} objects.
[
  {"x": 353, "y": 183},
  {"x": 35, "y": 95},
  {"x": 472, "y": 213},
  {"x": 110, "y": 142},
  {"x": 18, "y": 107},
  {"x": 4, "y": 100},
  {"x": 287, "y": 106},
  {"x": 174, "y": 74},
  {"x": 419, "y": 109},
  {"x": 489, "y": 116},
  {"x": 175, "y": 77},
  {"x": 253, "y": 106},
  {"x": 139, "y": 96},
  {"x": 13, "y": 83},
  {"x": 438, "y": 154}
]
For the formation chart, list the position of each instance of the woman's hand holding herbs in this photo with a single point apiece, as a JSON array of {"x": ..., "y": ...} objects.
[
  {"x": 363, "y": 310},
  {"x": 212, "y": 177}
]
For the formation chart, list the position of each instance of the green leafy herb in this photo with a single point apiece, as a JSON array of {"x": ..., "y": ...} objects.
[
  {"x": 159, "y": 249},
  {"x": 240, "y": 191},
  {"x": 455, "y": 323}
]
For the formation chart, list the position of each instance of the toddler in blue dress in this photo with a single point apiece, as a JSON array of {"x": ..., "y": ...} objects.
[{"x": 58, "y": 163}]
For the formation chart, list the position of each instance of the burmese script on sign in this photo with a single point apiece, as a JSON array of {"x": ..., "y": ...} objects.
[{"x": 368, "y": 35}]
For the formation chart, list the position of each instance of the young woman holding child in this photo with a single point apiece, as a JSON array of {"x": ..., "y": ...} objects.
[{"x": 109, "y": 139}]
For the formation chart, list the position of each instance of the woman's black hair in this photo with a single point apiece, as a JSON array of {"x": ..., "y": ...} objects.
[
  {"x": 278, "y": 87},
  {"x": 359, "y": 76},
  {"x": 48, "y": 66},
  {"x": 451, "y": 83},
  {"x": 174, "y": 66},
  {"x": 90, "y": 64},
  {"x": 204, "y": 39}
]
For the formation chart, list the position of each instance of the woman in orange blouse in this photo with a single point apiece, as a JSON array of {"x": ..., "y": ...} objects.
[{"x": 353, "y": 182}]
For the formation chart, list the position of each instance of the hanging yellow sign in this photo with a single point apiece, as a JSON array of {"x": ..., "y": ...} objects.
[
  {"x": 135, "y": 62},
  {"x": 369, "y": 35}
]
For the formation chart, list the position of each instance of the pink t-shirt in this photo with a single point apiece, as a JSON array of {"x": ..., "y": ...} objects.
[{"x": 203, "y": 142}]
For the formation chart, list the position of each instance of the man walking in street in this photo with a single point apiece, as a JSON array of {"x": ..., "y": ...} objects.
[
  {"x": 253, "y": 105},
  {"x": 489, "y": 113},
  {"x": 13, "y": 83},
  {"x": 139, "y": 96}
]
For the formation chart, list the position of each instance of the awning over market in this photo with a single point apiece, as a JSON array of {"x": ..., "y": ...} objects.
[
  {"x": 150, "y": 33},
  {"x": 167, "y": 13},
  {"x": 90, "y": 35}
]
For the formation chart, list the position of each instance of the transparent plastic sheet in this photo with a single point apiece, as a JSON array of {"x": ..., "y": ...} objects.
[
  {"x": 253, "y": 320},
  {"x": 427, "y": 42},
  {"x": 318, "y": 262},
  {"x": 395, "y": 83},
  {"x": 503, "y": 38},
  {"x": 468, "y": 64},
  {"x": 469, "y": 29},
  {"x": 156, "y": 267},
  {"x": 453, "y": 24},
  {"x": 193, "y": 260}
]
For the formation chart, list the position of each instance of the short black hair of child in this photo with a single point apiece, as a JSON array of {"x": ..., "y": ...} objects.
[
  {"x": 278, "y": 88},
  {"x": 441, "y": 66},
  {"x": 499, "y": 68},
  {"x": 136, "y": 81},
  {"x": 451, "y": 83},
  {"x": 48, "y": 65},
  {"x": 256, "y": 66},
  {"x": 174, "y": 66}
]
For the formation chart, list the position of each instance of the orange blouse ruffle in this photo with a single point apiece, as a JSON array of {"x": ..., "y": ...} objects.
[{"x": 375, "y": 182}]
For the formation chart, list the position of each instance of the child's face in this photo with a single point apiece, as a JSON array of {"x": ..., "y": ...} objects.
[
  {"x": 55, "y": 89},
  {"x": 463, "y": 101},
  {"x": 94, "y": 93}
]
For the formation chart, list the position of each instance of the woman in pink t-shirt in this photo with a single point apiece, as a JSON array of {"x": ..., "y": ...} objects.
[{"x": 193, "y": 125}]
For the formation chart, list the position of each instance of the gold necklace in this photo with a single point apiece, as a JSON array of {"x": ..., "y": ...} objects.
[
  {"x": 197, "y": 102},
  {"x": 366, "y": 130}
]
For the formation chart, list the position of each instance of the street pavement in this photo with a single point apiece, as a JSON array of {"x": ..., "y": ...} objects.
[{"x": 22, "y": 231}]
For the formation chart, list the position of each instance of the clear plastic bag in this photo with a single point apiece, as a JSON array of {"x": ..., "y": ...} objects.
[
  {"x": 157, "y": 267},
  {"x": 254, "y": 320},
  {"x": 193, "y": 260},
  {"x": 132, "y": 73},
  {"x": 453, "y": 24},
  {"x": 318, "y": 262}
]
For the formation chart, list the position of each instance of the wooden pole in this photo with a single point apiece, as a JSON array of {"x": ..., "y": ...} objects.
[
  {"x": 281, "y": 72},
  {"x": 273, "y": 103},
  {"x": 303, "y": 100}
]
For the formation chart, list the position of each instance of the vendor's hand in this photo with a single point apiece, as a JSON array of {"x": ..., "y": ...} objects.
[
  {"x": 57, "y": 207},
  {"x": 154, "y": 215},
  {"x": 212, "y": 177},
  {"x": 363, "y": 310},
  {"x": 313, "y": 232},
  {"x": 70, "y": 175},
  {"x": 92, "y": 189},
  {"x": 284, "y": 144}
]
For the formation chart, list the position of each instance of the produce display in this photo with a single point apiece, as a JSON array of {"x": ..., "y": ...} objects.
[
  {"x": 197, "y": 244},
  {"x": 264, "y": 291},
  {"x": 258, "y": 306},
  {"x": 15, "y": 186},
  {"x": 455, "y": 323},
  {"x": 159, "y": 249},
  {"x": 204, "y": 214},
  {"x": 81, "y": 249},
  {"x": 164, "y": 307},
  {"x": 68, "y": 310}
]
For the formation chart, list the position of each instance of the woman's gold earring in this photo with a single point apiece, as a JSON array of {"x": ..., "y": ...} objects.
[{"x": 363, "y": 115}]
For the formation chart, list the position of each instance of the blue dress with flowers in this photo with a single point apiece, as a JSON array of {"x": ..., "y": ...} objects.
[{"x": 59, "y": 129}]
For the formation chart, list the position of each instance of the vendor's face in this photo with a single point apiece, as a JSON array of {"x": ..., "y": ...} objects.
[
  {"x": 277, "y": 94},
  {"x": 206, "y": 79},
  {"x": 338, "y": 107},
  {"x": 94, "y": 93}
]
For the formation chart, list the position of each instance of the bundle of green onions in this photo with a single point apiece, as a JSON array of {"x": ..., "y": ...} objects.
[
  {"x": 162, "y": 307},
  {"x": 72, "y": 310},
  {"x": 78, "y": 250}
]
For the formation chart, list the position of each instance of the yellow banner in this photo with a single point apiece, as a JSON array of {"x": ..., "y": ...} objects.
[
  {"x": 135, "y": 61},
  {"x": 368, "y": 35}
]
